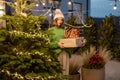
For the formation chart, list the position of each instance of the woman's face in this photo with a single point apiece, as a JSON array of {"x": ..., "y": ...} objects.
[{"x": 59, "y": 22}]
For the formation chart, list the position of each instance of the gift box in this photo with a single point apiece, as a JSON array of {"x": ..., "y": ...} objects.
[{"x": 72, "y": 42}]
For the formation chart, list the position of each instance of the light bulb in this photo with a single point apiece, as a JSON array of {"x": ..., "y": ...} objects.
[
  {"x": 37, "y": 5},
  {"x": 115, "y": 7},
  {"x": 50, "y": 14},
  {"x": 1, "y": 13},
  {"x": 15, "y": 3},
  {"x": 43, "y": 4},
  {"x": 1, "y": 7},
  {"x": 69, "y": 3}
]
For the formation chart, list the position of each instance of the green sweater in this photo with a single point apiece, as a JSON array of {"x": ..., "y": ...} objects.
[{"x": 58, "y": 33}]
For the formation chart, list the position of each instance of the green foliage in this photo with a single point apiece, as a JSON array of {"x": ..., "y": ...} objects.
[
  {"x": 116, "y": 46},
  {"x": 105, "y": 32},
  {"x": 23, "y": 23},
  {"x": 25, "y": 53},
  {"x": 71, "y": 20},
  {"x": 96, "y": 59},
  {"x": 20, "y": 6},
  {"x": 89, "y": 33},
  {"x": 116, "y": 52},
  {"x": 89, "y": 22},
  {"x": 25, "y": 50}
]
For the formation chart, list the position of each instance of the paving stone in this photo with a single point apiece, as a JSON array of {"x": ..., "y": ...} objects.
[{"x": 112, "y": 70}]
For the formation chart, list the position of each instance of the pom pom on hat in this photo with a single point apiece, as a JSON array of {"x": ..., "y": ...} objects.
[{"x": 58, "y": 13}]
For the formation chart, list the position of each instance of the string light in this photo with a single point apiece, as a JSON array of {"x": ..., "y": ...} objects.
[
  {"x": 1, "y": 9},
  {"x": 115, "y": 7},
  {"x": 69, "y": 2},
  {"x": 15, "y": 3},
  {"x": 50, "y": 14},
  {"x": 1, "y": 12},
  {"x": 37, "y": 5},
  {"x": 43, "y": 4},
  {"x": 49, "y": 10}
]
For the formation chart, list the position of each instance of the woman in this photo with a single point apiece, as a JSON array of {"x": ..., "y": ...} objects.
[{"x": 58, "y": 31}]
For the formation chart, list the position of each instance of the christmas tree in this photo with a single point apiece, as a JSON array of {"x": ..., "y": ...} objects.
[
  {"x": 25, "y": 53},
  {"x": 89, "y": 33},
  {"x": 105, "y": 32}
]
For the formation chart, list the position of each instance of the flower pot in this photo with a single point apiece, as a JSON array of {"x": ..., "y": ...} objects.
[
  {"x": 75, "y": 77},
  {"x": 93, "y": 74}
]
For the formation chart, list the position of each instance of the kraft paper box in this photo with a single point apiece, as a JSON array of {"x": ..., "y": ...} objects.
[{"x": 71, "y": 42}]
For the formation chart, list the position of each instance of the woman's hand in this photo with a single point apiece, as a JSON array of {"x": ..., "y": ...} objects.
[
  {"x": 83, "y": 42},
  {"x": 61, "y": 44}
]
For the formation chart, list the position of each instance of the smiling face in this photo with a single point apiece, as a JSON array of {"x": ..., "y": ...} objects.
[{"x": 59, "y": 22}]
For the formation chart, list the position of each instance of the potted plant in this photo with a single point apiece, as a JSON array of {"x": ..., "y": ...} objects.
[
  {"x": 94, "y": 61},
  {"x": 74, "y": 67}
]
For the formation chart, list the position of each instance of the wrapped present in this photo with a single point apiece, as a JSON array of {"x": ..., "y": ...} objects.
[{"x": 73, "y": 42}]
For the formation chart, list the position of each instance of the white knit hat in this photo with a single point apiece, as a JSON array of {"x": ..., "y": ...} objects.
[{"x": 58, "y": 13}]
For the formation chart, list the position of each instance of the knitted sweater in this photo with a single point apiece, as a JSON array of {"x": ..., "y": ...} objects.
[{"x": 58, "y": 33}]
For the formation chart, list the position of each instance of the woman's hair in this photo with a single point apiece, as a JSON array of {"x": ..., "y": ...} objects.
[{"x": 55, "y": 22}]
